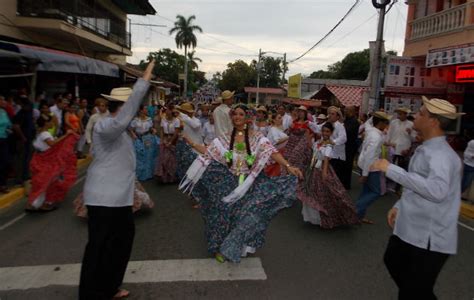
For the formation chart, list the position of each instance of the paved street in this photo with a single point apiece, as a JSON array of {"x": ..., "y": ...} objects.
[{"x": 299, "y": 261}]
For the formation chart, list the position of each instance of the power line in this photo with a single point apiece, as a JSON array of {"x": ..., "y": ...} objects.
[{"x": 327, "y": 34}]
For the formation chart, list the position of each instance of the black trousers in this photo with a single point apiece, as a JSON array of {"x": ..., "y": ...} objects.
[
  {"x": 339, "y": 167},
  {"x": 348, "y": 165},
  {"x": 111, "y": 233},
  {"x": 413, "y": 269}
]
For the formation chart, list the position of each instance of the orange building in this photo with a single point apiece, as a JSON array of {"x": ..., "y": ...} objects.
[{"x": 441, "y": 33}]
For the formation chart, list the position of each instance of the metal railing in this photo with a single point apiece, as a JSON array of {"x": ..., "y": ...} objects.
[
  {"x": 442, "y": 22},
  {"x": 76, "y": 12}
]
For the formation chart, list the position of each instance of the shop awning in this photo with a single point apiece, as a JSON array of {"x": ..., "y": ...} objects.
[
  {"x": 60, "y": 61},
  {"x": 348, "y": 95}
]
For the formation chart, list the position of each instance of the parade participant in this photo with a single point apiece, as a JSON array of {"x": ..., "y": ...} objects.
[
  {"x": 143, "y": 134},
  {"x": 5, "y": 130},
  {"x": 237, "y": 200},
  {"x": 373, "y": 182},
  {"x": 223, "y": 123},
  {"x": 278, "y": 138},
  {"x": 325, "y": 201},
  {"x": 287, "y": 120},
  {"x": 351, "y": 124},
  {"x": 71, "y": 119},
  {"x": 261, "y": 121},
  {"x": 338, "y": 139},
  {"x": 208, "y": 131},
  {"x": 166, "y": 167},
  {"x": 102, "y": 112},
  {"x": 468, "y": 169},
  {"x": 399, "y": 135},
  {"x": 24, "y": 127},
  {"x": 57, "y": 110},
  {"x": 425, "y": 219},
  {"x": 276, "y": 133},
  {"x": 192, "y": 128},
  {"x": 108, "y": 195},
  {"x": 298, "y": 147},
  {"x": 321, "y": 119},
  {"x": 53, "y": 167},
  {"x": 84, "y": 116}
]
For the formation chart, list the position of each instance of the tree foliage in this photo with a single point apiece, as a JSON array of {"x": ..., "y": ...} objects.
[
  {"x": 270, "y": 75},
  {"x": 355, "y": 66},
  {"x": 238, "y": 75}
]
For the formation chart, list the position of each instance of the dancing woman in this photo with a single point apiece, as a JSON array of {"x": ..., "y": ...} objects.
[
  {"x": 325, "y": 201},
  {"x": 298, "y": 148},
  {"x": 237, "y": 199}
]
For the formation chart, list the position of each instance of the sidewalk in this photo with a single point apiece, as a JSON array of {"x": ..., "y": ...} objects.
[{"x": 18, "y": 193}]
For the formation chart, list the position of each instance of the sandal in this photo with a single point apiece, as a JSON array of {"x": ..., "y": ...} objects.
[
  {"x": 220, "y": 258},
  {"x": 121, "y": 294},
  {"x": 367, "y": 221}
]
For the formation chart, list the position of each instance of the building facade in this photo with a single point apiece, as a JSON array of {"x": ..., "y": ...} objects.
[{"x": 440, "y": 34}]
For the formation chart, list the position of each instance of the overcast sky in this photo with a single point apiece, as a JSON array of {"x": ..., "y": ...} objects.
[{"x": 236, "y": 29}]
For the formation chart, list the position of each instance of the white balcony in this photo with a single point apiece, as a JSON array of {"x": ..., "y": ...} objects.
[{"x": 446, "y": 21}]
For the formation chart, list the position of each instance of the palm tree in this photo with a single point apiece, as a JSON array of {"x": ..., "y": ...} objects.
[
  {"x": 185, "y": 38},
  {"x": 192, "y": 61}
]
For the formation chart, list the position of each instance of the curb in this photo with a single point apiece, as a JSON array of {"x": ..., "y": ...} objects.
[
  {"x": 18, "y": 193},
  {"x": 467, "y": 210}
]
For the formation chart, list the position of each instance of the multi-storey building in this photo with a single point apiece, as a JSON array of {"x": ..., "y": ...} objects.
[
  {"x": 88, "y": 37},
  {"x": 441, "y": 34}
]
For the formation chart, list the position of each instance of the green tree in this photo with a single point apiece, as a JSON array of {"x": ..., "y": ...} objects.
[
  {"x": 192, "y": 60},
  {"x": 321, "y": 74},
  {"x": 238, "y": 75},
  {"x": 186, "y": 38},
  {"x": 270, "y": 75},
  {"x": 168, "y": 64}
]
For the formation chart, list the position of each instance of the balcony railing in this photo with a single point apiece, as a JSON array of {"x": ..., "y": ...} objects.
[
  {"x": 77, "y": 13},
  {"x": 442, "y": 22}
]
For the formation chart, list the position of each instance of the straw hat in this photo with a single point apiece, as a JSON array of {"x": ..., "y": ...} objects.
[
  {"x": 381, "y": 115},
  {"x": 403, "y": 109},
  {"x": 302, "y": 107},
  {"x": 227, "y": 94},
  {"x": 441, "y": 107},
  {"x": 261, "y": 108},
  {"x": 322, "y": 117},
  {"x": 119, "y": 94},
  {"x": 334, "y": 108},
  {"x": 186, "y": 107}
]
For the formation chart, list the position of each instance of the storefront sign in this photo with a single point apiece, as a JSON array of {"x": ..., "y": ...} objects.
[
  {"x": 460, "y": 54},
  {"x": 465, "y": 73},
  {"x": 409, "y": 75},
  {"x": 294, "y": 86}
]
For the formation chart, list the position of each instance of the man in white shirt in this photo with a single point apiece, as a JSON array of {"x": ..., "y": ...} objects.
[
  {"x": 192, "y": 126},
  {"x": 287, "y": 120},
  {"x": 338, "y": 139},
  {"x": 424, "y": 220},
  {"x": 468, "y": 170},
  {"x": 399, "y": 135},
  {"x": 223, "y": 123},
  {"x": 208, "y": 130},
  {"x": 57, "y": 110},
  {"x": 370, "y": 152},
  {"x": 108, "y": 195}
]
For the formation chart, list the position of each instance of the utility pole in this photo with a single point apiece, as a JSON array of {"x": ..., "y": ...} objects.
[
  {"x": 284, "y": 69},
  {"x": 376, "y": 63},
  {"x": 259, "y": 66}
]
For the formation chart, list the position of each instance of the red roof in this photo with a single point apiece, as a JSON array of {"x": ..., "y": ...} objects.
[
  {"x": 305, "y": 102},
  {"x": 348, "y": 95},
  {"x": 274, "y": 91}
]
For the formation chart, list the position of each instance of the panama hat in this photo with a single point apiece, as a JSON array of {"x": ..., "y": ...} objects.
[
  {"x": 119, "y": 94},
  {"x": 227, "y": 94},
  {"x": 322, "y": 117},
  {"x": 302, "y": 107},
  {"x": 441, "y": 107},
  {"x": 382, "y": 115},
  {"x": 261, "y": 108},
  {"x": 186, "y": 107},
  {"x": 403, "y": 109}
]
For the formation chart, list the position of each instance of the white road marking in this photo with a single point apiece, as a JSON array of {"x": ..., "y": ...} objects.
[
  {"x": 29, "y": 277},
  {"x": 10, "y": 223},
  {"x": 466, "y": 226}
]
